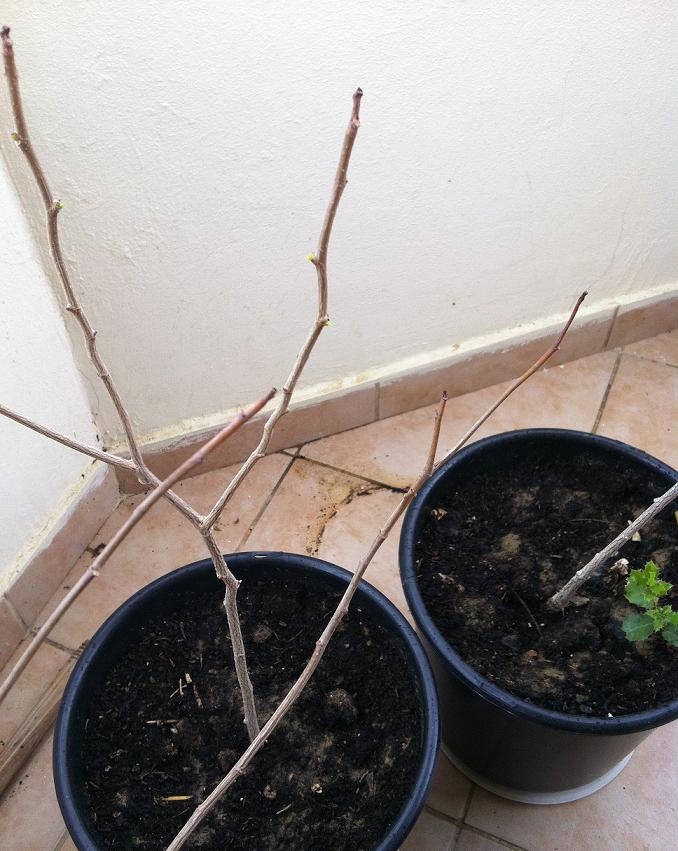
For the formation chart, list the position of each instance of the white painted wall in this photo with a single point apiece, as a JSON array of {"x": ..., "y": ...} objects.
[
  {"x": 39, "y": 379},
  {"x": 511, "y": 154}
]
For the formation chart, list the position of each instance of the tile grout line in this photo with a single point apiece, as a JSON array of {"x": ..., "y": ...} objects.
[
  {"x": 267, "y": 501},
  {"x": 377, "y": 397},
  {"x": 603, "y": 402},
  {"x": 71, "y": 651},
  {"x": 61, "y": 841},
  {"x": 498, "y": 839},
  {"x": 651, "y": 360},
  {"x": 462, "y": 821},
  {"x": 16, "y": 613},
  {"x": 464, "y": 825},
  {"x": 374, "y": 482},
  {"x": 613, "y": 322}
]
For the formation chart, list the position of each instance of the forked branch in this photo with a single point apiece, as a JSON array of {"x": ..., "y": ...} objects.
[
  {"x": 319, "y": 260},
  {"x": 321, "y": 645},
  {"x": 561, "y": 599},
  {"x": 94, "y": 568},
  {"x": 52, "y": 207}
]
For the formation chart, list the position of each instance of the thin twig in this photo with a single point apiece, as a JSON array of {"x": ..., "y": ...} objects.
[
  {"x": 530, "y": 616},
  {"x": 561, "y": 599},
  {"x": 146, "y": 476},
  {"x": 92, "y": 451},
  {"x": 319, "y": 260},
  {"x": 321, "y": 645},
  {"x": 513, "y": 387},
  {"x": 94, "y": 568},
  {"x": 292, "y": 695},
  {"x": 52, "y": 208}
]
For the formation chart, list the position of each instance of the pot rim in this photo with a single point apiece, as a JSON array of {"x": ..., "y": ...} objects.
[
  {"x": 393, "y": 620},
  {"x": 500, "y": 697}
]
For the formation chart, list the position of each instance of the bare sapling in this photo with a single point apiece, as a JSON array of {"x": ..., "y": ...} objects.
[
  {"x": 139, "y": 512},
  {"x": 297, "y": 688},
  {"x": 204, "y": 524},
  {"x": 53, "y": 207},
  {"x": 319, "y": 260},
  {"x": 562, "y": 599}
]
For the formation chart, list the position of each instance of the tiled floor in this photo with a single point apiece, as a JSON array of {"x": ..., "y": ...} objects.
[{"x": 327, "y": 499}]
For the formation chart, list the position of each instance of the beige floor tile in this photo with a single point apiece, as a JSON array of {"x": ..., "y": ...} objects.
[
  {"x": 450, "y": 789},
  {"x": 308, "y": 497},
  {"x": 163, "y": 541},
  {"x": 662, "y": 348},
  {"x": 349, "y": 534},
  {"x": 334, "y": 516},
  {"x": 471, "y": 841},
  {"x": 430, "y": 833},
  {"x": 29, "y": 688},
  {"x": 637, "y": 811},
  {"x": 642, "y": 408},
  {"x": 29, "y": 814},
  {"x": 67, "y": 844},
  {"x": 393, "y": 451}
]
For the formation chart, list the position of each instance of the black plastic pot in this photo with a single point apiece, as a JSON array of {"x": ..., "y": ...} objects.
[
  {"x": 112, "y": 639},
  {"x": 510, "y": 747}
]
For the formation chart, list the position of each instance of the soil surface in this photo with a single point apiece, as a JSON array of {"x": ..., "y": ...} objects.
[
  {"x": 334, "y": 775},
  {"x": 493, "y": 549}
]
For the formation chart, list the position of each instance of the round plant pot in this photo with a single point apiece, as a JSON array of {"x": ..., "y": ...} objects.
[
  {"x": 111, "y": 641},
  {"x": 507, "y": 745}
]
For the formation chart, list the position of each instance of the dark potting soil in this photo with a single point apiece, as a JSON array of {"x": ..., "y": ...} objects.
[
  {"x": 507, "y": 536},
  {"x": 334, "y": 775}
]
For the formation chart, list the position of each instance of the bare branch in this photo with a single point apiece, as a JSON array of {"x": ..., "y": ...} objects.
[
  {"x": 513, "y": 387},
  {"x": 149, "y": 500},
  {"x": 321, "y": 645},
  {"x": 319, "y": 260},
  {"x": 292, "y": 695},
  {"x": 563, "y": 598},
  {"x": 92, "y": 451},
  {"x": 238, "y": 645},
  {"x": 146, "y": 476},
  {"x": 52, "y": 208}
]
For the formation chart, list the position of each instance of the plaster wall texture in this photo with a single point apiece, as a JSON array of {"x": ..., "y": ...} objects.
[
  {"x": 510, "y": 156},
  {"x": 39, "y": 379}
]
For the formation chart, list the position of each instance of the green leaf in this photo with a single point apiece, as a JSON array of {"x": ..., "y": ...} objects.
[
  {"x": 670, "y": 634},
  {"x": 638, "y": 592},
  {"x": 643, "y": 587},
  {"x": 660, "y": 616},
  {"x": 656, "y": 584},
  {"x": 638, "y": 627}
]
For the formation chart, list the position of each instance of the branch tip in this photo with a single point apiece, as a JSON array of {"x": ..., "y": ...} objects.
[
  {"x": 355, "y": 116},
  {"x": 7, "y": 45}
]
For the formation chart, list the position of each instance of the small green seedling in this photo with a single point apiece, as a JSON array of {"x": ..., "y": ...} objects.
[{"x": 643, "y": 589}]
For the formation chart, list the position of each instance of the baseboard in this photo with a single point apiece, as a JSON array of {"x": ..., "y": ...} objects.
[
  {"x": 405, "y": 385},
  {"x": 52, "y": 555}
]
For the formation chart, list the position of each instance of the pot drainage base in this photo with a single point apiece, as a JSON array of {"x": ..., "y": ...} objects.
[{"x": 524, "y": 797}]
